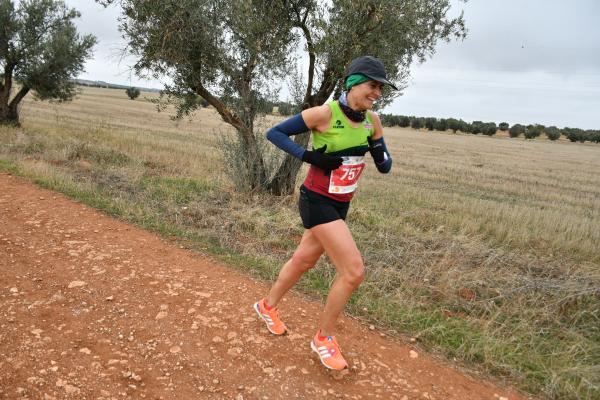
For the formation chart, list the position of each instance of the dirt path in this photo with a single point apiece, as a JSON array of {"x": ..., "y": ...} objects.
[{"x": 93, "y": 308}]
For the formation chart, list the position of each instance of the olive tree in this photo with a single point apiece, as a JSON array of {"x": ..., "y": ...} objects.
[
  {"x": 40, "y": 51},
  {"x": 552, "y": 132},
  {"x": 453, "y": 124},
  {"x": 133, "y": 92},
  {"x": 478, "y": 127},
  {"x": 489, "y": 128},
  {"x": 533, "y": 131},
  {"x": 404, "y": 121},
  {"x": 416, "y": 122},
  {"x": 234, "y": 53},
  {"x": 516, "y": 130}
]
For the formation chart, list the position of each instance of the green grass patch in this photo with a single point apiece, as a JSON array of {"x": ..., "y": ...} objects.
[
  {"x": 177, "y": 190},
  {"x": 10, "y": 167},
  {"x": 78, "y": 151}
]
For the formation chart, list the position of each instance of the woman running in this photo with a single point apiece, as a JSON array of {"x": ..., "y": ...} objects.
[{"x": 342, "y": 133}]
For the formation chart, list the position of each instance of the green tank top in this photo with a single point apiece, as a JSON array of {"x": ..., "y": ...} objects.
[{"x": 342, "y": 139}]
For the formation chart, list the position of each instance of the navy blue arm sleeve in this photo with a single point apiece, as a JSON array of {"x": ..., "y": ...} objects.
[
  {"x": 384, "y": 166},
  {"x": 280, "y": 134}
]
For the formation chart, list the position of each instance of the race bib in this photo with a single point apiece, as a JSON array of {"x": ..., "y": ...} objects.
[{"x": 345, "y": 178}]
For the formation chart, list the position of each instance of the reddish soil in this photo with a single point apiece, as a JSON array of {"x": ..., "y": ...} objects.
[{"x": 94, "y": 308}]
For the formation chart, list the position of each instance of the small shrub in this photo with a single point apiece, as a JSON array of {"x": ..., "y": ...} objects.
[
  {"x": 552, "y": 133},
  {"x": 415, "y": 123},
  {"x": 107, "y": 156},
  {"x": 287, "y": 109},
  {"x": 78, "y": 151},
  {"x": 575, "y": 134},
  {"x": 533, "y": 131},
  {"x": 453, "y": 124},
  {"x": 516, "y": 130},
  {"x": 430, "y": 123},
  {"x": 489, "y": 128},
  {"x": 133, "y": 93},
  {"x": 404, "y": 121},
  {"x": 34, "y": 148},
  {"x": 465, "y": 126},
  {"x": 477, "y": 127},
  {"x": 583, "y": 137},
  {"x": 102, "y": 155},
  {"x": 589, "y": 135},
  {"x": 503, "y": 126},
  {"x": 264, "y": 106},
  {"x": 441, "y": 125},
  {"x": 388, "y": 120}
]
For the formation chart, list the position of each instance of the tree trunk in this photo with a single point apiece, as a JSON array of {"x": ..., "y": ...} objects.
[
  {"x": 6, "y": 117},
  {"x": 256, "y": 170},
  {"x": 284, "y": 181},
  {"x": 9, "y": 113}
]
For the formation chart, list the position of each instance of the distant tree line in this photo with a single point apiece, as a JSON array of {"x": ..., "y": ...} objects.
[
  {"x": 490, "y": 128},
  {"x": 98, "y": 84},
  {"x": 531, "y": 131}
]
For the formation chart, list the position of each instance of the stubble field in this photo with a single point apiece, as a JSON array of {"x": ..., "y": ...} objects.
[{"x": 483, "y": 248}]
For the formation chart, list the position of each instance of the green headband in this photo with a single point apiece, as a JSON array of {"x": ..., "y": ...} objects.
[{"x": 355, "y": 79}]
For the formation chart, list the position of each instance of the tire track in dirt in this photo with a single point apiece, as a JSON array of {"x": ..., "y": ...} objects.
[{"x": 93, "y": 308}]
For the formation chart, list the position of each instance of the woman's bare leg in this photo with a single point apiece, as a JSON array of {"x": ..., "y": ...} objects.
[
  {"x": 305, "y": 257},
  {"x": 336, "y": 239}
]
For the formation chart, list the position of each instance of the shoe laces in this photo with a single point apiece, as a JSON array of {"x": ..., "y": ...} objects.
[
  {"x": 273, "y": 311},
  {"x": 333, "y": 346}
]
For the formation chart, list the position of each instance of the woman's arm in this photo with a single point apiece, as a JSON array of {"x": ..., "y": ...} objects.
[
  {"x": 377, "y": 147},
  {"x": 280, "y": 134},
  {"x": 315, "y": 118},
  {"x": 312, "y": 118}
]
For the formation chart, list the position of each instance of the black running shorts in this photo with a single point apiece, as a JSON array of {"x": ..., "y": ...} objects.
[{"x": 316, "y": 209}]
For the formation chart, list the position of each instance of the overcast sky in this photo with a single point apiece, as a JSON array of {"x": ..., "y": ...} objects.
[{"x": 524, "y": 61}]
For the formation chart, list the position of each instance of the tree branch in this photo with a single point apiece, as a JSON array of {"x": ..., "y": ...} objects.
[
  {"x": 225, "y": 113},
  {"x": 301, "y": 23},
  {"x": 372, "y": 21},
  {"x": 43, "y": 30},
  {"x": 17, "y": 99},
  {"x": 6, "y": 86}
]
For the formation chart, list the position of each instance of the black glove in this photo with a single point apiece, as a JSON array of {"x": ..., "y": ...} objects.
[
  {"x": 319, "y": 159},
  {"x": 377, "y": 150}
]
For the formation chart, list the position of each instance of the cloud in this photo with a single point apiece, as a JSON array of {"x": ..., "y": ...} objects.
[
  {"x": 527, "y": 62},
  {"x": 514, "y": 97},
  {"x": 109, "y": 63},
  {"x": 510, "y": 35}
]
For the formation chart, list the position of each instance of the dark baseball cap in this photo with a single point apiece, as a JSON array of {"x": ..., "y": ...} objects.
[{"x": 370, "y": 67}]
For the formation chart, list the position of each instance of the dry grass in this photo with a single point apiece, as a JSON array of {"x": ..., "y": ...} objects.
[{"x": 485, "y": 248}]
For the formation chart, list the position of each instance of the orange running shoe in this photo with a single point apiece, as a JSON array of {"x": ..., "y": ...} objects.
[
  {"x": 271, "y": 318},
  {"x": 329, "y": 352}
]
